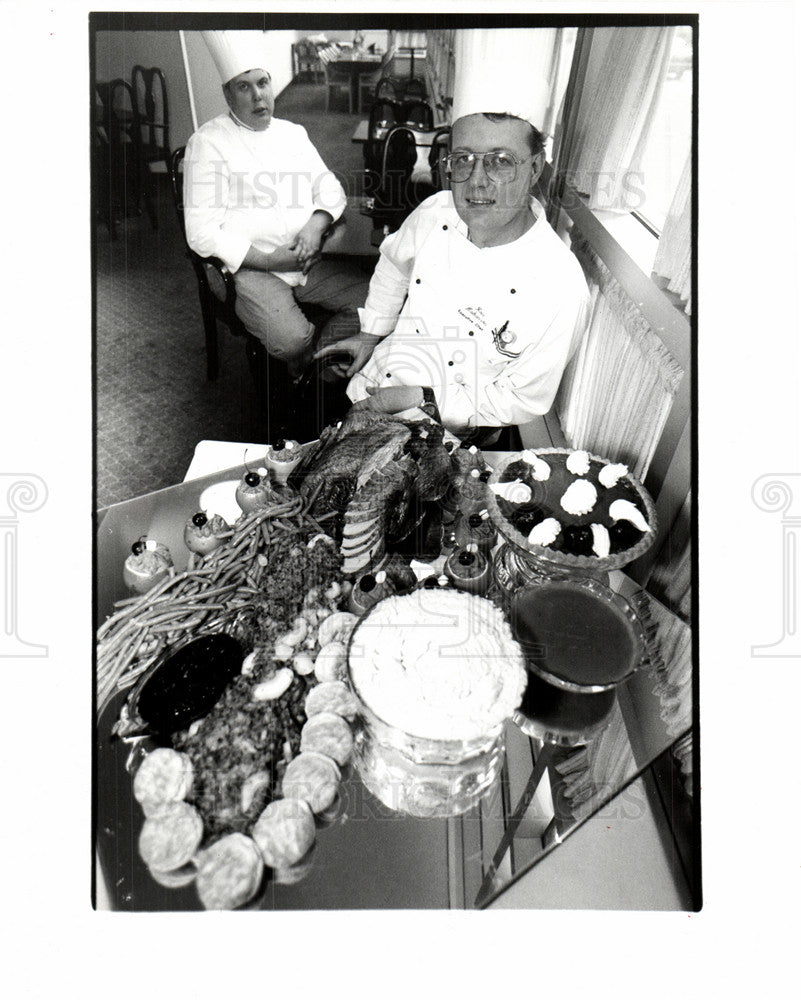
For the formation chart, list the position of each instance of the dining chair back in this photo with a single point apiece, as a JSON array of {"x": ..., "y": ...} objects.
[
  {"x": 394, "y": 195},
  {"x": 436, "y": 159},
  {"x": 383, "y": 117},
  {"x": 149, "y": 90},
  {"x": 414, "y": 89},
  {"x": 389, "y": 89},
  {"x": 307, "y": 61},
  {"x": 337, "y": 78},
  {"x": 128, "y": 179},
  {"x": 418, "y": 114}
]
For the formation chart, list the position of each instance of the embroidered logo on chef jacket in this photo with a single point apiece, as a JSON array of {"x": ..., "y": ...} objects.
[{"x": 502, "y": 338}]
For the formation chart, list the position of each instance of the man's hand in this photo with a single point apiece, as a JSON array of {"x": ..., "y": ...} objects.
[
  {"x": 310, "y": 238},
  {"x": 391, "y": 398},
  {"x": 283, "y": 258},
  {"x": 360, "y": 349}
]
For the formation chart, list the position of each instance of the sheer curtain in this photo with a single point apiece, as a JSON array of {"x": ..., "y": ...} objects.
[
  {"x": 674, "y": 252},
  {"x": 625, "y": 72},
  {"x": 617, "y": 391}
]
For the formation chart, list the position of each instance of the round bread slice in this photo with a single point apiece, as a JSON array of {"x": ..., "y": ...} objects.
[
  {"x": 332, "y": 696},
  {"x": 229, "y": 872},
  {"x": 312, "y": 777},
  {"x": 284, "y": 832},
  {"x": 178, "y": 879},
  {"x": 170, "y": 840},
  {"x": 328, "y": 734},
  {"x": 164, "y": 775},
  {"x": 294, "y": 873}
]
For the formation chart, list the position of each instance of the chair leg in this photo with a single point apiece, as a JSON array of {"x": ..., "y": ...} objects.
[
  {"x": 270, "y": 382},
  {"x": 210, "y": 329},
  {"x": 149, "y": 197}
]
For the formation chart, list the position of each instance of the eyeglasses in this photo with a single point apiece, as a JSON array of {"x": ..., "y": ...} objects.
[{"x": 500, "y": 165}]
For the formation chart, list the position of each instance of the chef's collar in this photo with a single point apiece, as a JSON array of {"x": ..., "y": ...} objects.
[
  {"x": 238, "y": 121},
  {"x": 537, "y": 209}
]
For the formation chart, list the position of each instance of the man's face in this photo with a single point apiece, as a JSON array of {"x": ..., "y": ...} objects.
[
  {"x": 494, "y": 207},
  {"x": 250, "y": 97}
]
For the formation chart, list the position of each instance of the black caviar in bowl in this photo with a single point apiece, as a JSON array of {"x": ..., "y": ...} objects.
[{"x": 182, "y": 686}]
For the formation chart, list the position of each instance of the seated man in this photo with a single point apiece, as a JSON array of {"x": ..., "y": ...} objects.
[
  {"x": 475, "y": 299},
  {"x": 258, "y": 196}
]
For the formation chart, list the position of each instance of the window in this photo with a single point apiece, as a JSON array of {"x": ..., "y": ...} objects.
[{"x": 671, "y": 134}]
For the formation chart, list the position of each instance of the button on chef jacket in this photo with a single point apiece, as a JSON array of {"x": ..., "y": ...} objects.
[{"x": 489, "y": 329}]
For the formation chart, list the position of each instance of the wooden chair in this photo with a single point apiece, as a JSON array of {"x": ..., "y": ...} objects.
[
  {"x": 417, "y": 114},
  {"x": 336, "y": 79},
  {"x": 149, "y": 90},
  {"x": 217, "y": 294},
  {"x": 306, "y": 61},
  {"x": 215, "y": 283},
  {"x": 383, "y": 117},
  {"x": 436, "y": 159},
  {"x": 369, "y": 82},
  {"x": 129, "y": 182},
  {"x": 103, "y": 205},
  {"x": 389, "y": 89},
  {"x": 414, "y": 89}
]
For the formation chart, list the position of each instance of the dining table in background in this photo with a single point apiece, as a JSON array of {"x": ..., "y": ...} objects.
[{"x": 357, "y": 62}]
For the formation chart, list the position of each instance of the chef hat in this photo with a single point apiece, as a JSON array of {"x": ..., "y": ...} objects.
[
  {"x": 496, "y": 96},
  {"x": 236, "y": 52},
  {"x": 505, "y": 73}
]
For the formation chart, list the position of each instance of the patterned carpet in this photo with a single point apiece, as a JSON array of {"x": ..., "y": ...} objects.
[{"x": 153, "y": 401}]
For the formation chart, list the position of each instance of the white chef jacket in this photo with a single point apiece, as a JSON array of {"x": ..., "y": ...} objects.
[
  {"x": 243, "y": 187},
  {"x": 489, "y": 329}
]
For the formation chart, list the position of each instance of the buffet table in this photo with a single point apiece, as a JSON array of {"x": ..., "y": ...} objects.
[{"x": 367, "y": 856}]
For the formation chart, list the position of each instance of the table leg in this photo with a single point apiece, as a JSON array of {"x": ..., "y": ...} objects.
[{"x": 539, "y": 769}]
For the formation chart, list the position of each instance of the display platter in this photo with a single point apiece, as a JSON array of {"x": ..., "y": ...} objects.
[
  {"x": 384, "y": 509},
  {"x": 365, "y": 855}
]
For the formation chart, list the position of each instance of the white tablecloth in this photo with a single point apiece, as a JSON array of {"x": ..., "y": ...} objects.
[{"x": 214, "y": 456}]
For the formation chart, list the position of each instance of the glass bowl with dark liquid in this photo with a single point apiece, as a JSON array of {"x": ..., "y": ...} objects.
[{"x": 581, "y": 641}]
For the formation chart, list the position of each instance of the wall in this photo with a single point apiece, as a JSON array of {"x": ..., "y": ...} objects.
[{"x": 117, "y": 52}]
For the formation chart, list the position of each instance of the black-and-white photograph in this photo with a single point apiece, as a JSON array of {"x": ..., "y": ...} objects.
[
  {"x": 394, "y": 365},
  {"x": 399, "y": 516}
]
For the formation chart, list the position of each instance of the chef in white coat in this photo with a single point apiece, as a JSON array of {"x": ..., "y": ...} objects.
[
  {"x": 258, "y": 196},
  {"x": 475, "y": 304}
]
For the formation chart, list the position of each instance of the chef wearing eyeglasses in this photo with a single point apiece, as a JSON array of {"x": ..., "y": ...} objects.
[{"x": 475, "y": 304}]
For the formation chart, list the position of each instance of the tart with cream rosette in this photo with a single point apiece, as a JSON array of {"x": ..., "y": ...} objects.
[{"x": 571, "y": 509}]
